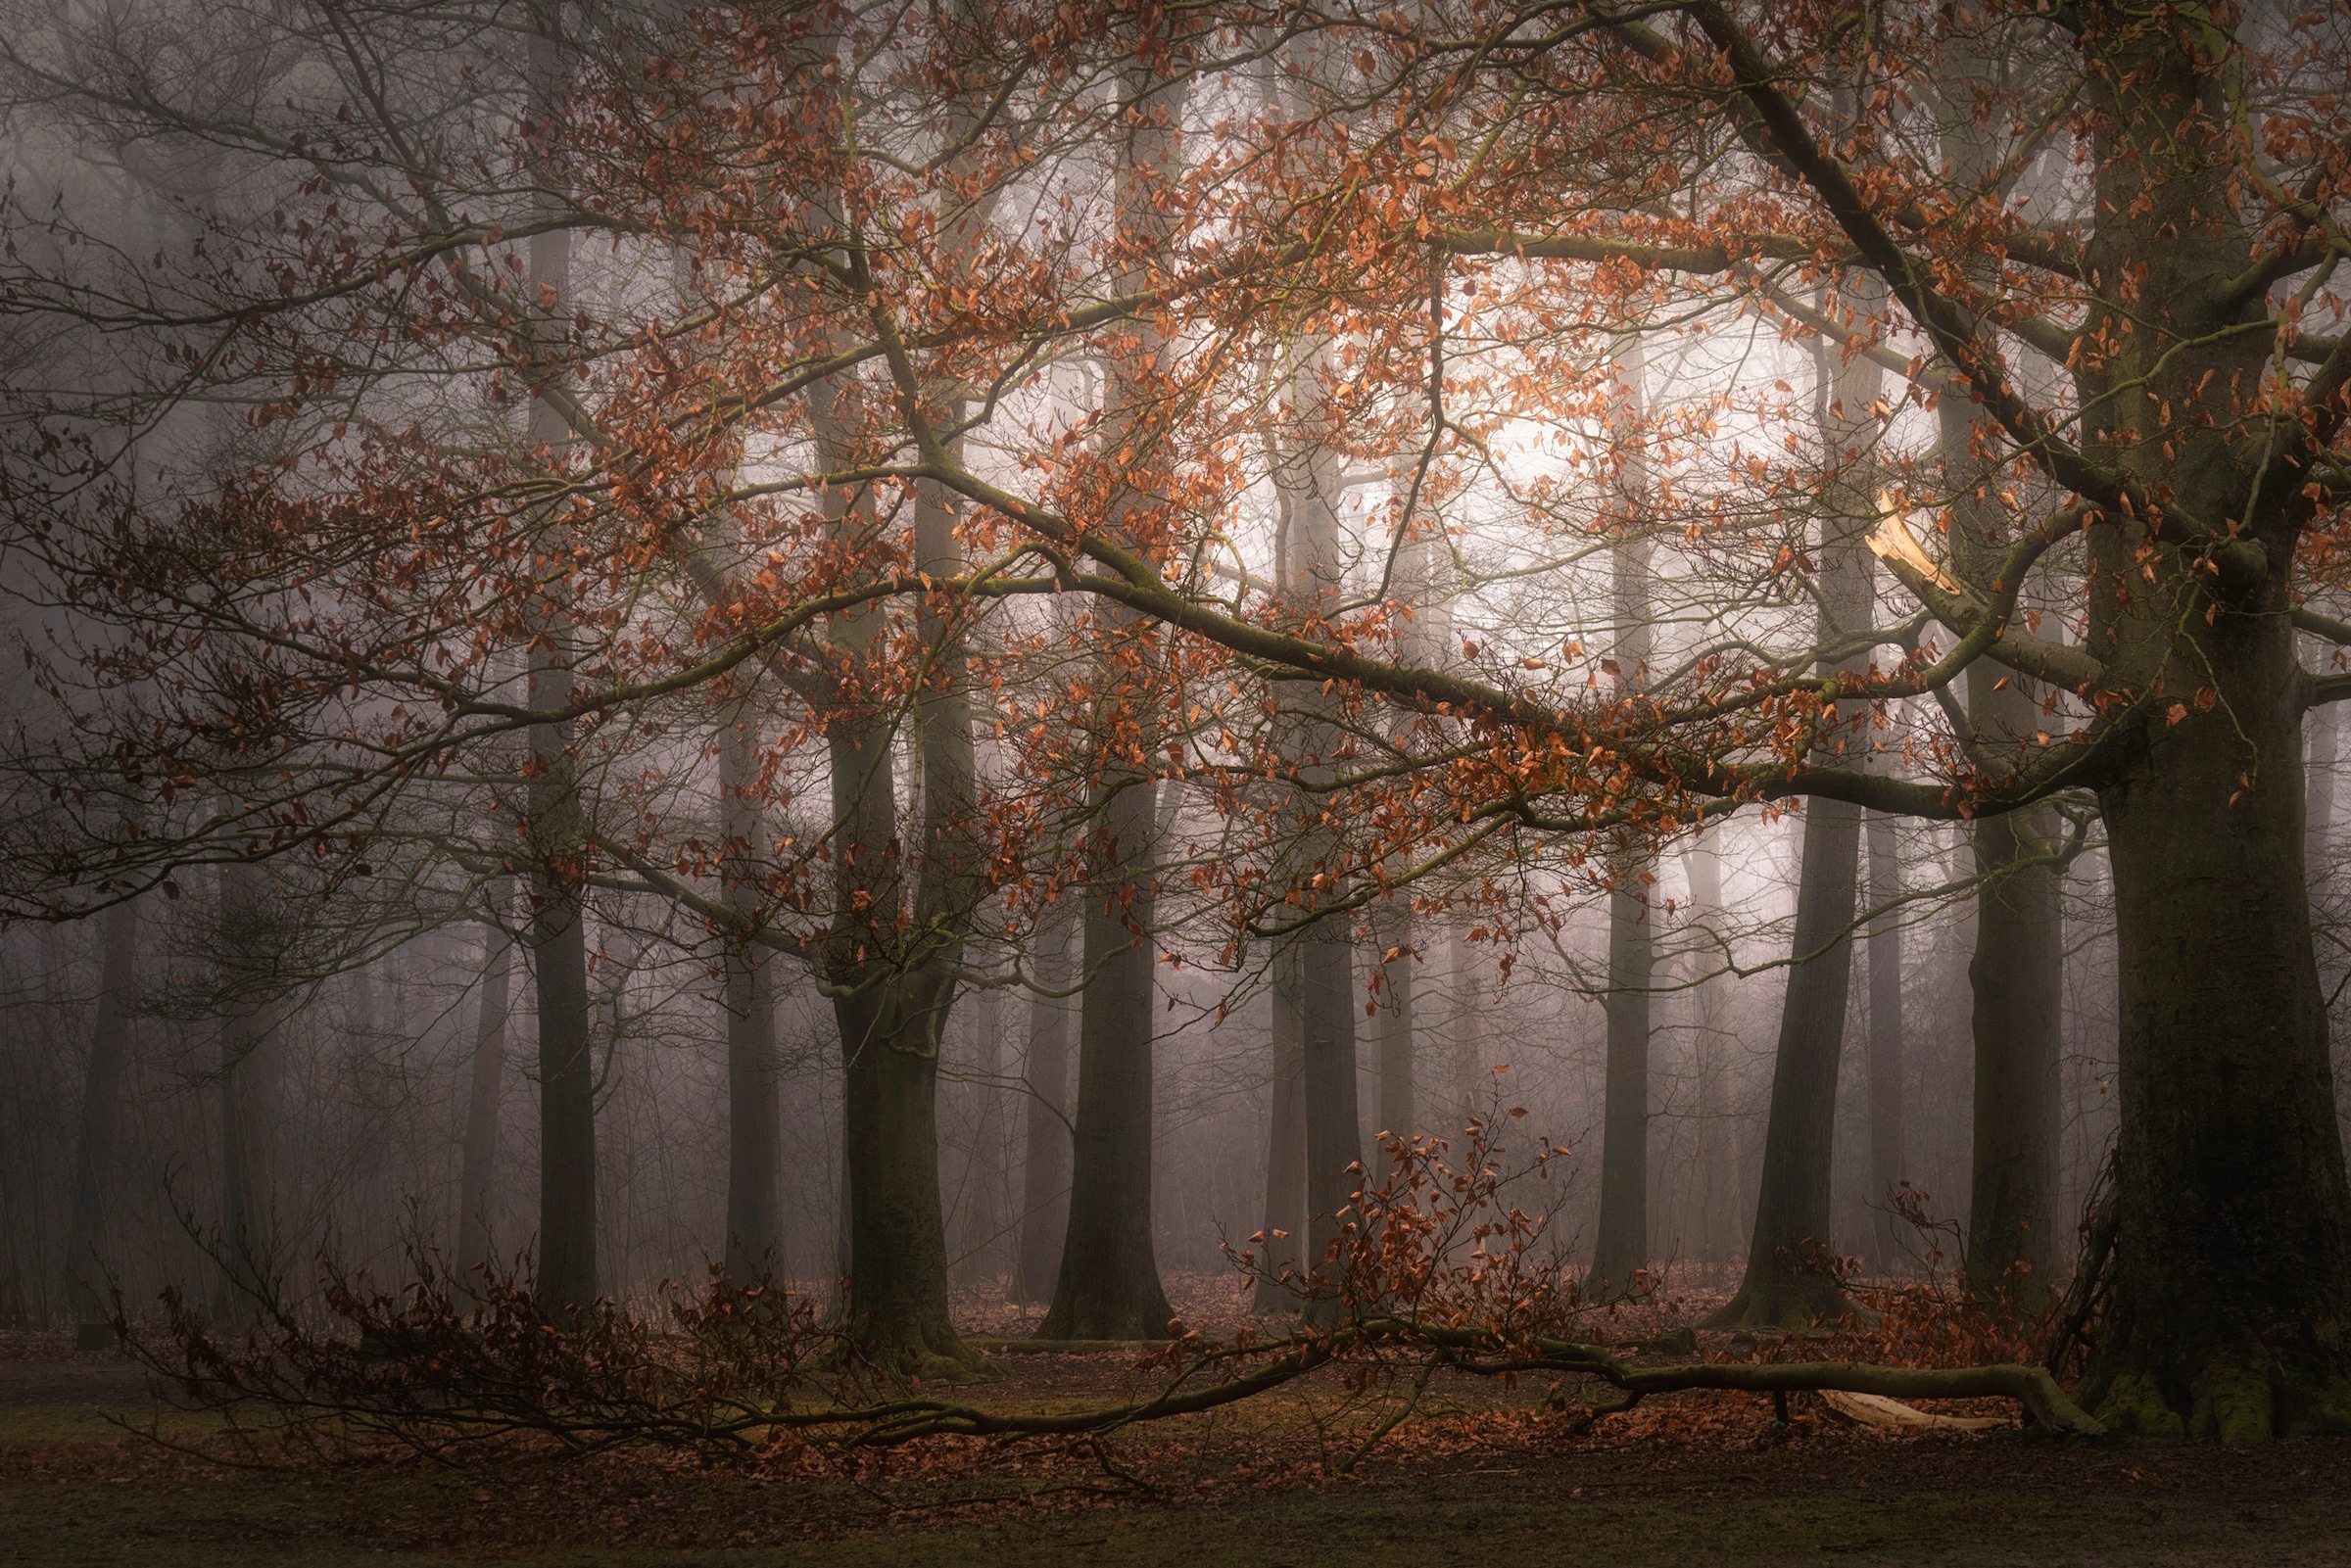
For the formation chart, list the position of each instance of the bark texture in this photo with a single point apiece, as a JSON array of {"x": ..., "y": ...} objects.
[{"x": 2233, "y": 1264}]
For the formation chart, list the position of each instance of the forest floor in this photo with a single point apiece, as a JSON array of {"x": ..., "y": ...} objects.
[{"x": 1482, "y": 1473}]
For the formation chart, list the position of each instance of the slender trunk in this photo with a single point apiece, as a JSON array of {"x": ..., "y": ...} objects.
[
  {"x": 985, "y": 1260},
  {"x": 1283, "y": 1247},
  {"x": 1622, "y": 1249},
  {"x": 252, "y": 1063},
  {"x": 567, "y": 1219},
  {"x": 2016, "y": 976},
  {"x": 373, "y": 1218},
  {"x": 1782, "y": 1286},
  {"x": 485, "y": 1082},
  {"x": 754, "y": 1246},
  {"x": 101, "y": 1092},
  {"x": 1333, "y": 1123},
  {"x": 1045, "y": 1162},
  {"x": 1888, "y": 1160},
  {"x": 1718, "y": 1163},
  {"x": 1108, "y": 1285}
]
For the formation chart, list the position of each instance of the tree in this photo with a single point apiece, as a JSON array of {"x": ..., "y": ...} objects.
[
  {"x": 101, "y": 1106},
  {"x": 1464, "y": 213},
  {"x": 1108, "y": 1285}
]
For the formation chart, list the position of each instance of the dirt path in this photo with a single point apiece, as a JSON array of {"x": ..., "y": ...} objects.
[{"x": 77, "y": 1490}]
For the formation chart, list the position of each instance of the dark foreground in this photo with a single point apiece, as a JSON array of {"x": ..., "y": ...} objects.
[{"x": 1726, "y": 1489}]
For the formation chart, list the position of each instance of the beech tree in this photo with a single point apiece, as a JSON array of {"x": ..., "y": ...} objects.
[{"x": 1445, "y": 235}]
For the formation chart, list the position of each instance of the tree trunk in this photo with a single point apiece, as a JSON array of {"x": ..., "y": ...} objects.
[
  {"x": 485, "y": 1081},
  {"x": 567, "y": 1219},
  {"x": 1792, "y": 1199},
  {"x": 1334, "y": 1148},
  {"x": 2017, "y": 980},
  {"x": 1888, "y": 1159},
  {"x": 2233, "y": 1266},
  {"x": 894, "y": 953},
  {"x": 1045, "y": 1162},
  {"x": 898, "y": 1233},
  {"x": 252, "y": 1085},
  {"x": 755, "y": 1247},
  {"x": 2016, "y": 975},
  {"x": 1621, "y": 1250},
  {"x": 1108, "y": 1285},
  {"x": 101, "y": 1111},
  {"x": 1718, "y": 1164},
  {"x": 985, "y": 1258},
  {"x": 1283, "y": 1247}
]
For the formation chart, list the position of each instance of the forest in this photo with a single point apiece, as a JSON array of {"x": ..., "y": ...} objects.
[{"x": 1137, "y": 779}]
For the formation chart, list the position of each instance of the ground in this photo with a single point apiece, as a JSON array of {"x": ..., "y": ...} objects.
[{"x": 1493, "y": 1474}]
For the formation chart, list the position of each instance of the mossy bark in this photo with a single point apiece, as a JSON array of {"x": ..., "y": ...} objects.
[{"x": 2231, "y": 1307}]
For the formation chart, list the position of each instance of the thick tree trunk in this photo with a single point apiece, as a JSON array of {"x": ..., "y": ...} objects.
[
  {"x": 897, "y": 1232},
  {"x": 86, "y": 1263},
  {"x": 1888, "y": 1159},
  {"x": 1045, "y": 1159},
  {"x": 2231, "y": 1307},
  {"x": 485, "y": 1083},
  {"x": 892, "y": 1007},
  {"x": 1108, "y": 1285},
  {"x": 2232, "y": 1292},
  {"x": 2015, "y": 977}
]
